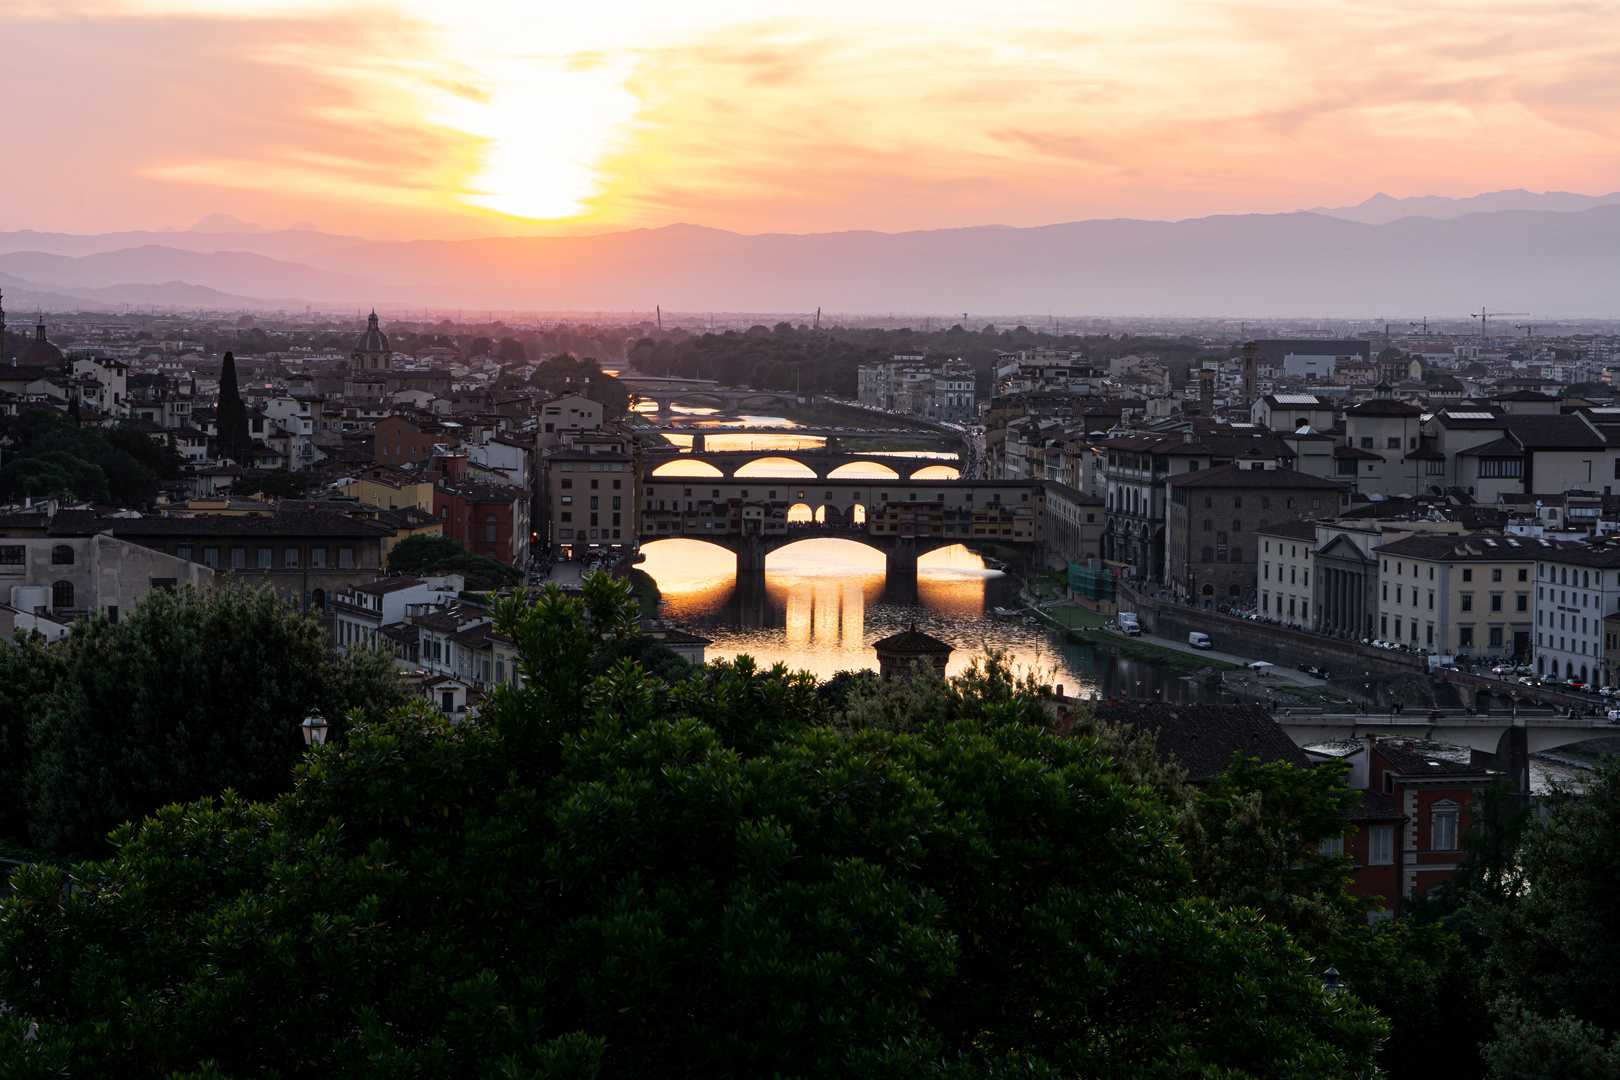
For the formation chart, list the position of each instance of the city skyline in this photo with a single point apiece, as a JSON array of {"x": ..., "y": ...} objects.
[{"x": 424, "y": 119}]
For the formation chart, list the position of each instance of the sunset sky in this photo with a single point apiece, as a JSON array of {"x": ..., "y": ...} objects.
[{"x": 450, "y": 118}]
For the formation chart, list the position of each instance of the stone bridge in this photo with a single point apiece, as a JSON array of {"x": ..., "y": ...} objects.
[
  {"x": 1483, "y": 734},
  {"x": 820, "y": 461},
  {"x": 1485, "y": 692},
  {"x": 900, "y": 553},
  {"x": 666, "y": 392},
  {"x": 900, "y": 517}
]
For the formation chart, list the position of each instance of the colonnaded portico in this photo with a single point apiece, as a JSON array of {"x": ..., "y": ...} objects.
[{"x": 753, "y": 516}]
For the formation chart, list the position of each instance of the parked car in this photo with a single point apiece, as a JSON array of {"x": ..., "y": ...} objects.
[{"x": 1199, "y": 641}]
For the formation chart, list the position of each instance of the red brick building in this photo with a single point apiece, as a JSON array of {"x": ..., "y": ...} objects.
[
  {"x": 488, "y": 519},
  {"x": 1414, "y": 813}
]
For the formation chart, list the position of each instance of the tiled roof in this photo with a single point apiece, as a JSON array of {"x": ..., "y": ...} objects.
[
  {"x": 1408, "y": 762},
  {"x": 1356, "y": 453},
  {"x": 1570, "y": 432},
  {"x": 387, "y": 585},
  {"x": 1371, "y": 806},
  {"x": 1233, "y": 476},
  {"x": 284, "y": 522},
  {"x": 913, "y": 641},
  {"x": 1475, "y": 547},
  {"x": 1203, "y": 739},
  {"x": 1291, "y": 530}
]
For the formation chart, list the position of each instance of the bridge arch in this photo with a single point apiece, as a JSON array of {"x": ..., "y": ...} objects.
[
  {"x": 863, "y": 470},
  {"x": 800, "y": 514},
  {"x": 775, "y": 467},
  {"x": 687, "y": 467},
  {"x": 936, "y": 472}
]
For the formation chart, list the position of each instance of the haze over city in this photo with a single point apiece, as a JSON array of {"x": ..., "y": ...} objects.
[{"x": 424, "y": 120}]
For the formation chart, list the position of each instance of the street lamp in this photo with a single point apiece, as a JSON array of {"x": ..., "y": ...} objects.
[{"x": 315, "y": 728}]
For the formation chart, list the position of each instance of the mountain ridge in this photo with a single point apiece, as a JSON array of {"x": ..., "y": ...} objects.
[{"x": 1563, "y": 264}]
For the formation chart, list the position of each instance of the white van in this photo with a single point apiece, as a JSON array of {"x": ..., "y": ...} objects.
[
  {"x": 1128, "y": 624},
  {"x": 1198, "y": 641}
]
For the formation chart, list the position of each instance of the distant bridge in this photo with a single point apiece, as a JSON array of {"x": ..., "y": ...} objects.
[
  {"x": 819, "y": 460},
  {"x": 1484, "y": 734},
  {"x": 666, "y": 392}
]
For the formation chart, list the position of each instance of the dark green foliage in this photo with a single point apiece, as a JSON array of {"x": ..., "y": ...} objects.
[
  {"x": 442, "y": 554},
  {"x": 650, "y": 654},
  {"x": 1556, "y": 940},
  {"x": 594, "y": 880},
  {"x": 511, "y": 351},
  {"x": 235, "y": 440},
  {"x": 51, "y": 455},
  {"x": 1423, "y": 978},
  {"x": 1533, "y": 1047},
  {"x": 29, "y": 672},
  {"x": 570, "y": 375},
  {"x": 1252, "y": 838},
  {"x": 278, "y": 483},
  {"x": 190, "y": 694}
]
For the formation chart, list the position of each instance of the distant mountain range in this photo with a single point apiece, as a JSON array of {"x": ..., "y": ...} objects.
[
  {"x": 1557, "y": 257},
  {"x": 1382, "y": 209}
]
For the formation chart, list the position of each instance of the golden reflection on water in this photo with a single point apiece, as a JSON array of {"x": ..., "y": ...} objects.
[{"x": 824, "y": 590}]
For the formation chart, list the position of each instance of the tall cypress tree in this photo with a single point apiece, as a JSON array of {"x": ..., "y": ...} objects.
[{"x": 234, "y": 440}]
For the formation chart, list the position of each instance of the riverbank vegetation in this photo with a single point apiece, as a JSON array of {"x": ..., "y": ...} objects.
[{"x": 616, "y": 870}]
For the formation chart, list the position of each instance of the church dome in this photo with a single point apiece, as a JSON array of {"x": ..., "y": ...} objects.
[
  {"x": 373, "y": 340},
  {"x": 39, "y": 352}
]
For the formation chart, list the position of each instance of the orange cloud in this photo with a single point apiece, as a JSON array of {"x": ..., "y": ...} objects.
[{"x": 428, "y": 117}]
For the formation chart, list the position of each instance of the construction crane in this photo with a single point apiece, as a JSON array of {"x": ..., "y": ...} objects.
[
  {"x": 1484, "y": 316},
  {"x": 1529, "y": 339},
  {"x": 1424, "y": 324}
]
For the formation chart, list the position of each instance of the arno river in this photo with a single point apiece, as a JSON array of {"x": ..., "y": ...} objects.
[{"x": 823, "y": 602}]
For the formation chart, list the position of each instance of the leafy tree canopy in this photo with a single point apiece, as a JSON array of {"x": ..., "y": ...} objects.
[
  {"x": 51, "y": 455},
  {"x": 616, "y": 876},
  {"x": 567, "y": 374},
  {"x": 278, "y": 483},
  {"x": 189, "y": 694},
  {"x": 441, "y": 554}
]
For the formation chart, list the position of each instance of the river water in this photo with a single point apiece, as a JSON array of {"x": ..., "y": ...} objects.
[{"x": 822, "y": 603}]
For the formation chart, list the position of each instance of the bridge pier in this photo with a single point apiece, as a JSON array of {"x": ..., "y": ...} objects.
[
  {"x": 751, "y": 552},
  {"x": 666, "y": 406},
  {"x": 901, "y": 558}
]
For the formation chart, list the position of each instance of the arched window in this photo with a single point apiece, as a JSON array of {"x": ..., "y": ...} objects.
[
  {"x": 62, "y": 594},
  {"x": 1206, "y": 525},
  {"x": 1234, "y": 590},
  {"x": 61, "y": 555},
  {"x": 1209, "y": 554},
  {"x": 1209, "y": 590}
]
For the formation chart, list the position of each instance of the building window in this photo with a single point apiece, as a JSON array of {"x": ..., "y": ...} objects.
[
  {"x": 1468, "y": 575},
  {"x": 317, "y": 558},
  {"x": 13, "y": 555},
  {"x": 238, "y": 558},
  {"x": 1443, "y": 830},
  {"x": 1381, "y": 845},
  {"x": 1333, "y": 845},
  {"x": 211, "y": 557},
  {"x": 289, "y": 558},
  {"x": 346, "y": 558},
  {"x": 1468, "y": 601},
  {"x": 1496, "y": 637},
  {"x": 266, "y": 557},
  {"x": 62, "y": 594},
  {"x": 1496, "y": 601},
  {"x": 1524, "y": 602},
  {"x": 1465, "y": 637},
  {"x": 61, "y": 555}
]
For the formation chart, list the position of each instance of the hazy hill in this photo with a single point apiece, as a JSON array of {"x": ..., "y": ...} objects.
[
  {"x": 1381, "y": 208},
  {"x": 1549, "y": 262}
]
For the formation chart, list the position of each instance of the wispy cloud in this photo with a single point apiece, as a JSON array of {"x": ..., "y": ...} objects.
[{"x": 443, "y": 116}]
